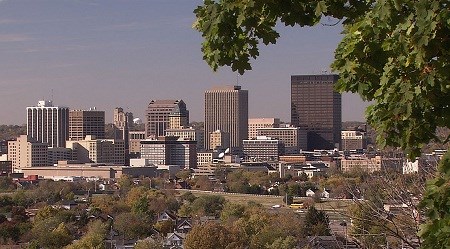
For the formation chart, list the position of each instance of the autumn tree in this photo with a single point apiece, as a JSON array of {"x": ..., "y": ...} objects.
[
  {"x": 132, "y": 226},
  {"x": 94, "y": 237},
  {"x": 211, "y": 235}
]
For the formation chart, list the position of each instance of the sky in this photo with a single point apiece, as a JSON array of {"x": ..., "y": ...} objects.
[{"x": 124, "y": 53}]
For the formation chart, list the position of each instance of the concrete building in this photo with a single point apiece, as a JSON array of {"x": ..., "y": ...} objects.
[
  {"x": 54, "y": 155},
  {"x": 158, "y": 113},
  {"x": 226, "y": 109},
  {"x": 294, "y": 139},
  {"x": 93, "y": 150},
  {"x": 367, "y": 164},
  {"x": 262, "y": 149},
  {"x": 134, "y": 143},
  {"x": 170, "y": 151},
  {"x": 311, "y": 169},
  {"x": 257, "y": 123},
  {"x": 5, "y": 165},
  {"x": 178, "y": 118},
  {"x": 66, "y": 170},
  {"x": 219, "y": 140},
  {"x": 316, "y": 108},
  {"x": 48, "y": 124},
  {"x": 27, "y": 152},
  {"x": 122, "y": 120},
  {"x": 3, "y": 147},
  {"x": 188, "y": 133},
  {"x": 206, "y": 158},
  {"x": 353, "y": 141},
  {"x": 86, "y": 122}
]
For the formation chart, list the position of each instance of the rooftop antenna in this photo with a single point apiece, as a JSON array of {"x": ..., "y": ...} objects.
[
  {"x": 237, "y": 79},
  {"x": 52, "y": 96}
]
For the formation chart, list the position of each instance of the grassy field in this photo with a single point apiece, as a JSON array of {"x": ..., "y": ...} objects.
[{"x": 334, "y": 208}]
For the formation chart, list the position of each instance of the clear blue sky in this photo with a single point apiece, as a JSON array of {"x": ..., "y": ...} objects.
[{"x": 110, "y": 53}]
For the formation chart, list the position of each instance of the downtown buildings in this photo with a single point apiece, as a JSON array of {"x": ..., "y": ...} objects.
[
  {"x": 226, "y": 110},
  {"x": 316, "y": 108},
  {"x": 48, "y": 124},
  {"x": 160, "y": 111}
]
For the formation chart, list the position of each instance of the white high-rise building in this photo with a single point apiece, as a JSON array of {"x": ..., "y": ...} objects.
[{"x": 48, "y": 124}]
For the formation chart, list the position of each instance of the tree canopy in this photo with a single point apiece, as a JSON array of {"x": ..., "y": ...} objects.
[{"x": 394, "y": 53}]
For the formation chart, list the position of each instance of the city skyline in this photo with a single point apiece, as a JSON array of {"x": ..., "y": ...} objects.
[{"x": 107, "y": 54}]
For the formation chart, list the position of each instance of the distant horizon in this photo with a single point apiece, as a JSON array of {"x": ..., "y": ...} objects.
[{"x": 111, "y": 54}]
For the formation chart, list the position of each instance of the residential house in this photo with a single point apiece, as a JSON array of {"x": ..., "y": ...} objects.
[{"x": 174, "y": 240}]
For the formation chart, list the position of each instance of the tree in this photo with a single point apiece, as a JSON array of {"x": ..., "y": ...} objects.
[
  {"x": 94, "y": 238},
  {"x": 394, "y": 53},
  {"x": 210, "y": 205},
  {"x": 132, "y": 226},
  {"x": 316, "y": 223},
  {"x": 149, "y": 243},
  {"x": 436, "y": 202},
  {"x": 210, "y": 236}
]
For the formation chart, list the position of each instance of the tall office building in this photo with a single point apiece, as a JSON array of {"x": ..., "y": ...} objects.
[
  {"x": 226, "y": 109},
  {"x": 86, "y": 122},
  {"x": 158, "y": 113},
  {"x": 316, "y": 108},
  {"x": 48, "y": 124}
]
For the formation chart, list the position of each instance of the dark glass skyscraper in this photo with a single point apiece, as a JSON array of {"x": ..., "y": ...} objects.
[{"x": 317, "y": 108}]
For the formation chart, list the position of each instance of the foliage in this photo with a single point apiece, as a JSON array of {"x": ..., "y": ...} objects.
[
  {"x": 149, "y": 244},
  {"x": 248, "y": 182},
  {"x": 184, "y": 174},
  {"x": 165, "y": 226},
  {"x": 231, "y": 211},
  {"x": 210, "y": 205},
  {"x": 94, "y": 238},
  {"x": 8, "y": 132},
  {"x": 132, "y": 226},
  {"x": 211, "y": 236},
  {"x": 283, "y": 243},
  {"x": 316, "y": 223},
  {"x": 436, "y": 202},
  {"x": 393, "y": 52},
  {"x": 397, "y": 54}
]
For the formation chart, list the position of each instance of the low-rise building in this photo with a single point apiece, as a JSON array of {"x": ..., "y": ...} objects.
[
  {"x": 262, "y": 149},
  {"x": 170, "y": 151},
  {"x": 188, "y": 134},
  {"x": 257, "y": 123},
  {"x": 27, "y": 152},
  {"x": 353, "y": 141},
  {"x": 134, "y": 143},
  {"x": 93, "y": 150},
  {"x": 5, "y": 166},
  {"x": 294, "y": 139},
  {"x": 66, "y": 170}
]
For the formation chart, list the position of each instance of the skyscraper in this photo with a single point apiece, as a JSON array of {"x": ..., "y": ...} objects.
[
  {"x": 86, "y": 122},
  {"x": 122, "y": 120},
  {"x": 316, "y": 107},
  {"x": 158, "y": 113},
  {"x": 226, "y": 109},
  {"x": 48, "y": 124}
]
